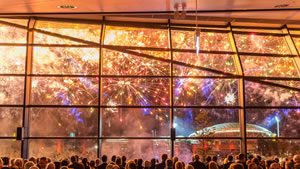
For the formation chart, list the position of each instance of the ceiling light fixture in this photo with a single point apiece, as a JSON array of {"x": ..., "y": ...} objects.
[
  {"x": 67, "y": 6},
  {"x": 197, "y": 32},
  {"x": 179, "y": 6}
]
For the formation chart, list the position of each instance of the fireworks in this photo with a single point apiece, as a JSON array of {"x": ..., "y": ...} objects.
[{"x": 128, "y": 79}]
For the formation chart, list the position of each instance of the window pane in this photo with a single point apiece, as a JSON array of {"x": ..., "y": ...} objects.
[
  {"x": 10, "y": 119},
  {"x": 297, "y": 43},
  {"x": 64, "y": 91},
  {"x": 193, "y": 91},
  {"x": 261, "y": 44},
  {"x": 10, "y": 148},
  {"x": 271, "y": 121},
  {"x": 77, "y": 33},
  {"x": 269, "y": 66},
  {"x": 12, "y": 34},
  {"x": 118, "y": 63},
  {"x": 64, "y": 122},
  {"x": 185, "y": 149},
  {"x": 206, "y": 122},
  {"x": 207, "y": 61},
  {"x": 60, "y": 149},
  {"x": 130, "y": 36},
  {"x": 136, "y": 122},
  {"x": 66, "y": 61},
  {"x": 145, "y": 149},
  {"x": 11, "y": 90},
  {"x": 210, "y": 41},
  {"x": 258, "y": 94},
  {"x": 12, "y": 59},
  {"x": 271, "y": 148},
  {"x": 135, "y": 91}
]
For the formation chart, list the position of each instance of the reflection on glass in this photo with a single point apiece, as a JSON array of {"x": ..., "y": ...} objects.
[
  {"x": 215, "y": 92},
  {"x": 64, "y": 91},
  {"x": 185, "y": 149},
  {"x": 130, "y": 36},
  {"x": 66, "y": 60},
  {"x": 261, "y": 44},
  {"x": 11, "y": 34},
  {"x": 11, "y": 90},
  {"x": 10, "y": 119},
  {"x": 280, "y": 122},
  {"x": 117, "y": 63},
  {"x": 269, "y": 66},
  {"x": 12, "y": 59},
  {"x": 143, "y": 122},
  {"x": 10, "y": 148},
  {"x": 271, "y": 148},
  {"x": 210, "y": 41},
  {"x": 70, "y": 122},
  {"x": 192, "y": 122},
  {"x": 258, "y": 94},
  {"x": 145, "y": 149},
  {"x": 65, "y": 31},
  {"x": 61, "y": 149},
  {"x": 135, "y": 91},
  {"x": 207, "y": 61}
]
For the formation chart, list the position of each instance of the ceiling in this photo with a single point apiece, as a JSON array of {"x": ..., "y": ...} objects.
[{"x": 210, "y": 10}]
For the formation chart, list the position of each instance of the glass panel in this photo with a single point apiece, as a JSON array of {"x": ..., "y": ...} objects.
[
  {"x": 64, "y": 91},
  {"x": 64, "y": 122},
  {"x": 135, "y": 91},
  {"x": 118, "y": 63},
  {"x": 10, "y": 148},
  {"x": 78, "y": 33},
  {"x": 273, "y": 122},
  {"x": 57, "y": 149},
  {"x": 297, "y": 43},
  {"x": 185, "y": 149},
  {"x": 10, "y": 119},
  {"x": 210, "y": 41},
  {"x": 12, "y": 34},
  {"x": 270, "y": 148},
  {"x": 11, "y": 90},
  {"x": 130, "y": 36},
  {"x": 12, "y": 59},
  {"x": 66, "y": 60},
  {"x": 206, "y": 61},
  {"x": 261, "y": 44},
  {"x": 142, "y": 122},
  {"x": 269, "y": 66},
  {"x": 193, "y": 91},
  {"x": 145, "y": 149},
  {"x": 206, "y": 122},
  {"x": 258, "y": 94}
]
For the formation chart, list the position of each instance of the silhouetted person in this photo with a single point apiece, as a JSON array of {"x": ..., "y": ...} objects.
[
  {"x": 162, "y": 165},
  {"x": 104, "y": 162},
  {"x": 153, "y": 163},
  {"x": 123, "y": 161},
  {"x": 139, "y": 164},
  {"x": 229, "y": 162},
  {"x": 113, "y": 159},
  {"x": 197, "y": 164},
  {"x": 5, "y": 163},
  {"x": 241, "y": 158},
  {"x": 119, "y": 162},
  {"x": 42, "y": 163},
  {"x": 85, "y": 163},
  {"x": 208, "y": 159}
]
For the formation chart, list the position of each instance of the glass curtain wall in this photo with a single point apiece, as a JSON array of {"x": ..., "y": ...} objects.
[{"x": 119, "y": 88}]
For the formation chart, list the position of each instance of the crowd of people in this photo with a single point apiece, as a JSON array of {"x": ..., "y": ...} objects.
[{"x": 117, "y": 162}]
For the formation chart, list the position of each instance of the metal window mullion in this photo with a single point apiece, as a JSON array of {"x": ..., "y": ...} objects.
[
  {"x": 171, "y": 86},
  {"x": 99, "y": 140},
  {"x": 241, "y": 91},
  {"x": 27, "y": 88}
]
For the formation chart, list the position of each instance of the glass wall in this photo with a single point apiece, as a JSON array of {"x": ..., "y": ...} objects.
[{"x": 119, "y": 88}]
